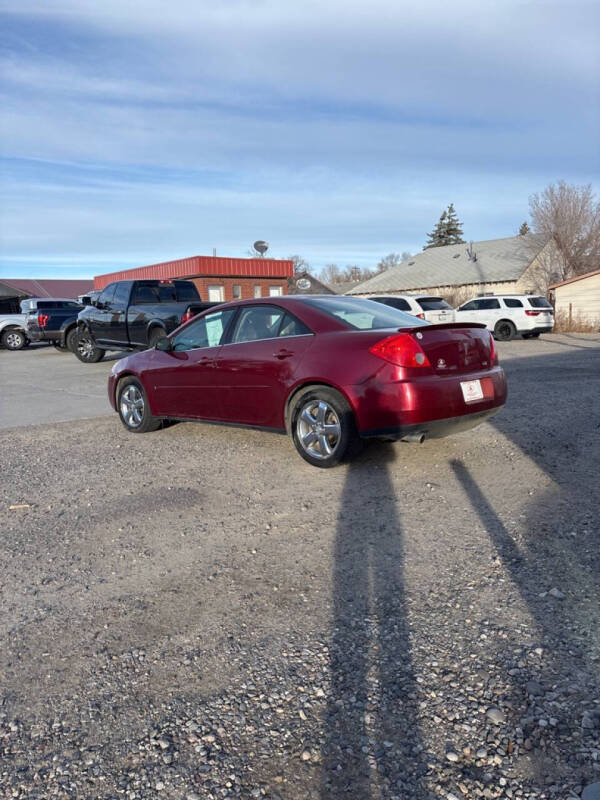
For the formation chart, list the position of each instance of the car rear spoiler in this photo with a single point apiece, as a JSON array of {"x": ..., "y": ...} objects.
[{"x": 442, "y": 326}]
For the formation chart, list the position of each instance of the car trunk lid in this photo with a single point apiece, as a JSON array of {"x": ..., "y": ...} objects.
[{"x": 455, "y": 348}]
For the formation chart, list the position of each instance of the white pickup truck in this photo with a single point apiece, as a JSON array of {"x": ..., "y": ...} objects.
[{"x": 12, "y": 331}]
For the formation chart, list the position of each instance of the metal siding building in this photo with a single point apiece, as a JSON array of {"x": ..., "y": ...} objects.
[
  {"x": 249, "y": 274},
  {"x": 579, "y": 298}
]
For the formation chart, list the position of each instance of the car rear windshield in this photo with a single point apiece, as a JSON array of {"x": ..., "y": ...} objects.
[
  {"x": 432, "y": 303},
  {"x": 364, "y": 315},
  {"x": 539, "y": 302},
  {"x": 186, "y": 291}
]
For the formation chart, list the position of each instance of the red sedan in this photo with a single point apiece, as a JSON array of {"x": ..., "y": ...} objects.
[{"x": 329, "y": 370}]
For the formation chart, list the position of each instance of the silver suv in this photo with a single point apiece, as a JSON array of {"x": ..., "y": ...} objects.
[{"x": 508, "y": 314}]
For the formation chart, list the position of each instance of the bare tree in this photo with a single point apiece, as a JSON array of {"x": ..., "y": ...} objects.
[
  {"x": 406, "y": 256},
  {"x": 331, "y": 273},
  {"x": 300, "y": 265},
  {"x": 391, "y": 260},
  {"x": 571, "y": 216}
]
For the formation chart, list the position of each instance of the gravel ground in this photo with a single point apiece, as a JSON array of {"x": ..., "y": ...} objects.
[{"x": 197, "y": 613}]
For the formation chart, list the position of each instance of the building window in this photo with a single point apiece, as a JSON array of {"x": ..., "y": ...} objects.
[
  {"x": 237, "y": 291},
  {"x": 216, "y": 294},
  {"x": 257, "y": 291},
  {"x": 275, "y": 291}
]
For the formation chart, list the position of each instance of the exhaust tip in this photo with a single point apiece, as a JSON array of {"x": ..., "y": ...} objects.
[{"x": 417, "y": 438}]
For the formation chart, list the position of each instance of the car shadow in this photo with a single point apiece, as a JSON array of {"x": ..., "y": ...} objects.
[
  {"x": 554, "y": 559},
  {"x": 371, "y": 731}
]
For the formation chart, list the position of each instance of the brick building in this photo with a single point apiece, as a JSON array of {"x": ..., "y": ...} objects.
[{"x": 218, "y": 279}]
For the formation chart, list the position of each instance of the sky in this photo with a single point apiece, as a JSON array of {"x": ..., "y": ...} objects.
[{"x": 143, "y": 131}]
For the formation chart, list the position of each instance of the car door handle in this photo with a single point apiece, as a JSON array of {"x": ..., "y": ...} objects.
[
  {"x": 284, "y": 354},
  {"x": 206, "y": 361}
]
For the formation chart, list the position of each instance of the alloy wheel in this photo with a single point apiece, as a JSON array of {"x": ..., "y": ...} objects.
[
  {"x": 13, "y": 340},
  {"x": 132, "y": 406},
  {"x": 319, "y": 429}
]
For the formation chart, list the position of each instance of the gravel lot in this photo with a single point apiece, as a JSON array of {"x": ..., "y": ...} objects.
[{"x": 197, "y": 613}]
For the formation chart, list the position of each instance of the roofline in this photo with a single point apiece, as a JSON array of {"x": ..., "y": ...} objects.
[
  {"x": 576, "y": 278},
  {"x": 441, "y": 286}
]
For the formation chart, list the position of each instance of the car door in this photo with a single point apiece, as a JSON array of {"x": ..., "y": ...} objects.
[
  {"x": 257, "y": 366},
  {"x": 465, "y": 313},
  {"x": 183, "y": 380},
  {"x": 101, "y": 318}
]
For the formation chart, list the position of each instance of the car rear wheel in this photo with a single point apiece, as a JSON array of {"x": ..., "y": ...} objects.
[
  {"x": 14, "y": 339},
  {"x": 133, "y": 407},
  {"x": 86, "y": 350},
  {"x": 323, "y": 427},
  {"x": 504, "y": 330},
  {"x": 532, "y": 335}
]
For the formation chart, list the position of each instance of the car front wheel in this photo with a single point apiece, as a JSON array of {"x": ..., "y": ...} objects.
[
  {"x": 86, "y": 349},
  {"x": 323, "y": 427},
  {"x": 133, "y": 407}
]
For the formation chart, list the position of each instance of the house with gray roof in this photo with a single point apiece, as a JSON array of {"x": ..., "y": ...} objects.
[{"x": 518, "y": 264}]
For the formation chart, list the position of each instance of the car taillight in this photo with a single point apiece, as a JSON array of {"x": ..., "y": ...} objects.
[
  {"x": 43, "y": 320},
  {"x": 493, "y": 353},
  {"x": 421, "y": 316},
  {"x": 402, "y": 350},
  {"x": 187, "y": 316},
  {"x": 532, "y": 313}
]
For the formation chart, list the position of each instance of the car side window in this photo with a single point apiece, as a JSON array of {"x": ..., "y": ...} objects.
[
  {"x": 489, "y": 303},
  {"x": 122, "y": 294},
  {"x": 145, "y": 295},
  {"x": 470, "y": 306},
  {"x": 205, "y": 331},
  {"x": 291, "y": 326},
  {"x": 394, "y": 302},
  {"x": 107, "y": 294},
  {"x": 257, "y": 322},
  {"x": 512, "y": 302}
]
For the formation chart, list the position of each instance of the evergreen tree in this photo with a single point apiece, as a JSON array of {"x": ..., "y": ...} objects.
[
  {"x": 524, "y": 229},
  {"x": 447, "y": 231},
  {"x": 453, "y": 230},
  {"x": 436, "y": 237}
]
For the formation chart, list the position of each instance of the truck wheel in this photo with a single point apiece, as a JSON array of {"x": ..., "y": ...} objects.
[
  {"x": 13, "y": 339},
  {"x": 71, "y": 339},
  {"x": 86, "y": 349},
  {"x": 155, "y": 335},
  {"x": 133, "y": 407}
]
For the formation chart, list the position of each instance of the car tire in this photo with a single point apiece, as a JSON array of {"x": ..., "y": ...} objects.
[
  {"x": 314, "y": 411},
  {"x": 71, "y": 339},
  {"x": 13, "y": 339},
  {"x": 133, "y": 407},
  {"x": 532, "y": 335},
  {"x": 86, "y": 350},
  {"x": 504, "y": 330},
  {"x": 62, "y": 348}
]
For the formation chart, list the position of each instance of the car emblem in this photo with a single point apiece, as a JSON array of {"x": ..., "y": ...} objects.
[
  {"x": 419, "y": 335},
  {"x": 441, "y": 363}
]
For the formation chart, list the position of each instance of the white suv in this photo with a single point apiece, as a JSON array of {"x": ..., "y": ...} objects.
[
  {"x": 424, "y": 306},
  {"x": 508, "y": 314}
]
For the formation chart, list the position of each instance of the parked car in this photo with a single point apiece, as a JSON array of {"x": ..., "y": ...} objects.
[
  {"x": 129, "y": 315},
  {"x": 424, "y": 306},
  {"x": 329, "y": 370},
  {"x": 508, "y": 314},
  {"x": 12, "y": 331},
  {"x": 53, "y": 321}
]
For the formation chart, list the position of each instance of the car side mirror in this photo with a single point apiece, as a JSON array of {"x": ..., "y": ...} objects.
[{"x": 164, "y": 344}]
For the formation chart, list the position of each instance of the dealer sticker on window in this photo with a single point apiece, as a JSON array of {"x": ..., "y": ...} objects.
[{"x": 471, "y": 391}]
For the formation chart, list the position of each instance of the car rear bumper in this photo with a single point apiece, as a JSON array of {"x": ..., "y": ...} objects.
[
  {"x": 410, "y": 404},
  {"x": 435, "y": 429}
]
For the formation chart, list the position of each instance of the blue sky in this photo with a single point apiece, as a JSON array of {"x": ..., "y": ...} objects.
[{"x": 141, "y": 131}]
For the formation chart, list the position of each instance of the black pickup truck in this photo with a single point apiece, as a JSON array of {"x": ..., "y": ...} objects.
[
  {"x": 133, "y": 315},
  {"x": 54, "y": 321}
]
